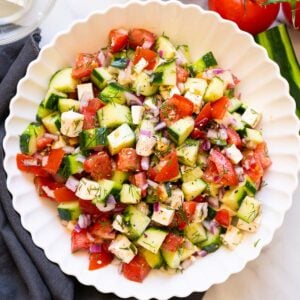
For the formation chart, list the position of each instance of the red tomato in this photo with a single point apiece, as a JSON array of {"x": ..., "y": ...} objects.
[
  {"x": 79, "y": 240},
  {"x": 118, "y": 39},
  {"x": 287, "y": 10},
  {"x": 168, "y": 168},
  {"x": 233, "y": 137},
  {"x": 199, "y": 199},
  {"x": 172, "y": 242},
  {"x": 128, "y": 160},
  {"x": 148, "y": 55},
  {"x": 48, "y": 182},
  {"x": 181, "y": 74},
  {"x": 219, "y": 108},
  {"x": 90, "y": 111},
  {"x": 44, "y": 142},
  {"x": 189, "y": 208},
  {"x": 176, "y": 108},
  {"x": 99, "y": 165},
  {"x": 253, "y": 16},
  {"x": 211, "y": 173},
  {"x": 179, "y": 221},
  {"x": 224, "y": 167},
  {"x": 261, "y": 153},
  {"x": 54, "y": 160},
  {"x": 141, "y": 38},
  {"x": 103, "y": 229},
  {"x": 223, "y": 217},
  {"x": 100, "y": 259},
  {"x": 63, "y": 194},
  {"x": 204, "y": 116},
  {"x": 137, "y": 269},
  {"x": 252, "y": 167},
  {"x": 88, "y": 207},
  {"x": 84, "y": 65},
  {"x": 23, "y": 159},
  {"x": 198, "y": 134},
  {"x": 140, "y": 180}
]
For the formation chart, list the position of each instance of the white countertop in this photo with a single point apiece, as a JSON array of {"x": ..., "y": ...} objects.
[{"x": 275, "y": 274}]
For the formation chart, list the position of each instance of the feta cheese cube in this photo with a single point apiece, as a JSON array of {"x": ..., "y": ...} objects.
[
  {"x": 149, "y": 103},
  {"x": 174, "y": 91},
  {"x": 141, "y": 65},
  {"x": 164, "y": 215},
  {"x": 85, "y": 91},
  {"x": 195, "y": 99},
  {"x": 232, "y": 238},
  {"x": 251, "y": 117},
  {"x": 226, "y": 76},
  {"x": 253, "y": 138},
  {"x": 71, "y": 123},
  {"x": 122, "y": 248},
  {"x": 176, "y": 198},
  {"x": 145, "y": 145},
  {"x": 118, "y": 224},
  {"x": 200, "y": 212},
  {"x": 234, "y": 154},
  {"x": 137, "y": 114},
  {"x": 87, "y": 189}
]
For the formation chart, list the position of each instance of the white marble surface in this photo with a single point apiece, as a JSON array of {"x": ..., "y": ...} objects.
[{"x": 275, "y": 275}]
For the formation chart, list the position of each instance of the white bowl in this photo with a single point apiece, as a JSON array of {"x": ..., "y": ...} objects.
[{"x": 261, "y": 85}]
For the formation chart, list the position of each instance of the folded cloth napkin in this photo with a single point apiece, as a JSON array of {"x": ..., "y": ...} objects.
[{"x": 25, "y": 272}]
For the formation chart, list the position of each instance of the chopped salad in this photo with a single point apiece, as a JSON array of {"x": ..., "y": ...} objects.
[{"x": 153, "y": 160}]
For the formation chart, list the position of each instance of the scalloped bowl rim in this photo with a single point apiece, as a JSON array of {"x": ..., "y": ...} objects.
[{"x": 226, "y": 273}]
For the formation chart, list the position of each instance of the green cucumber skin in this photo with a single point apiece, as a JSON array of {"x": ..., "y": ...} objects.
[{"x": 279, "y": 47}]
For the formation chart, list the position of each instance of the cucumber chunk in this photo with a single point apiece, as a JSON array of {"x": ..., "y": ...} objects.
[
  {"x": 130, "y": 194},
  {"x": 143, "y": 85},
  {"x": 249, "y": 209},
  {"x": 165, "y": 74},
  {"x": 234, "y": 197},
  {"x": 113, "y": 92},
  {"x": 190, "y": 174},
  {"x": 154, "y": 260},
  {"x": 206, "y": 61},
  {"x": 100, "y": 77},
  {"x": 215, "y": 90},
  {"x": 68, "y": 104},
  {"x": 52, "y": 97},
  {"x": 52, "y": 122},
  {"x": 192, "y": 189},
  {"x": 195, "y": 232},
  {"x": 69, "y": 211},
  {"x": 172, "y": 258},
  {"x": 91, "y": 138},
  {"x": 119, "y": 176},
  {"x": 165, "y": 48},
  {"x": 212, "y": 243},
  {"x": 106, "y": 188},
  {"x": 181, "y": 129},
  {"x": 187, "y": 152},
  {"x": 62, "y": 81},
  {"x": 29, "y": 137},
  {"x": 42, "y": 112}
]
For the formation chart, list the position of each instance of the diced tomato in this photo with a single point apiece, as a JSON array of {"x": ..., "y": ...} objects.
[
  {"x": 219, "y": 108},
  {"x": 149, "y": 55},
  {"x": 176, "y": 108},
  {"x": 223, "y": 217},
  {"x": 168, "y": 168},
  {"x": 63, "y": 194},
  {"x": 181, "y": 74},
  {"x": 99, "y": 165},
  {"x": 100, "y": 259},
  {"x": 90, "y": 111},
  {"x": 179, "y": 221},
  {"x": 54, "y": 160},
  {"x": 140, "y": 180},
  {"x": 22, "y": 160},
  {"x": 137, "y": 270},
  {"x": 118, "y": 39},
  {"x": 79, "y": 240},
  {"x": 198, "y": 134},
  {"x": 204, "y": 116},
  {"x": 128, "y": 160},
  {"x": 141, "y": 38},
  {"x": 152, "y": 172},
  {"x": 224, "y": 167},
  {"x": 48, "y": 182},
  {"x": 261, "y": 154},
  {"x": 172, "y": 242},
  {"x": 189, "y": 208},
  {"x": 88, "y": 207},
  {"x": 199, "y": 199},
  {"x": 103, "y": 229},
  {"x": 44, "y": 142},
  {"x": 233, "y": 138},
  {"x": 84, "y": 65},
  {"x": 252, "y": 167}
]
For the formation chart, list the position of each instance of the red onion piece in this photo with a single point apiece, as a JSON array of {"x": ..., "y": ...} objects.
[
  {"x": 218, "y": 71},
  {"x": 48, "y": 191},
  {"x": 160, "y": 126},
  {"x": 68, "y": 149},
  {"x": 111, "y": 200},
  {"x": 213, "y": 202},
  {"x": 99, "y": 148},
  {"x": 161, "y": 53},
  {"x": 80, "y": 158},
  {"x": 103, "y": 59},
  {"x": 212, "y": 134},
  {"x": 84, "y": 221},
  {"x": 147, "y": 44},
  {"x": 156, "y": 206},
  {"x": 153, "y": 184},
  {"x": 45, "y": 160},
  {"x": 95, "y": 248},
  {"x": 132, "y": 99},
  {"x": 202, "y": 253},
  {"x": 104, "y": 207},
  {"x": 31, "y": 162},
  {"x": 145, "y": 163},
  {"x": 223, "y": 134},
  {"x": 147, "y": 133},
  {"x": 145, "y": 186},
  {"x": 206, "y": 145},
  {"x": 72, "y": 183},
  {"x": 77, "y": 228},
  {"x": 51, "y": 136}
]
